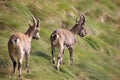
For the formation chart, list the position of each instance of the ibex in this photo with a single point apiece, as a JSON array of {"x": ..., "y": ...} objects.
[
  {"x": 19, "y": 44},
  {"x": 66, "y": 38}
]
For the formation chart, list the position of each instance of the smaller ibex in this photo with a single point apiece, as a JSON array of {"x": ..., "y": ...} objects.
[
  {"x": 19, "y": 44},
  {"x": 66, "y": 38}
]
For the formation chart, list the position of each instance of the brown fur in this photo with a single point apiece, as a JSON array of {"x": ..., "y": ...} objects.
[
  {"x": 66, "y": 38},
  {"x": 19, "y": 44}
]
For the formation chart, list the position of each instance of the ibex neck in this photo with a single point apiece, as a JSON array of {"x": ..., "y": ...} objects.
[
  {"x": 29, "y": 32},
  {"x": 75, "y": 29}
]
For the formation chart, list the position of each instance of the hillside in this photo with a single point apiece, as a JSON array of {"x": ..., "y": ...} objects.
[{"x": 96, "y": 56}]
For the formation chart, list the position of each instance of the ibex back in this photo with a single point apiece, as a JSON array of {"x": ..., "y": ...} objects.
[
  {"x": 19, "y": 45},
  {"x": 66, "y": 38}
]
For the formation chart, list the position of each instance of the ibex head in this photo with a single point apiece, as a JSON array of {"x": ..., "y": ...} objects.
[
  {"x": 35, "y": 26},
  {"x": 82, "y": 31}
]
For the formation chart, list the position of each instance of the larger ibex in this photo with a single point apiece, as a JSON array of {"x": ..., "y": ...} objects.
[
  {"x": 66, "y": 38},
  {"x": 19, "y": 45}
]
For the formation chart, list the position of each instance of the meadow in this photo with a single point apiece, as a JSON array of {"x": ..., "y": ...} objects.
[{"x": 96, "y": 56}]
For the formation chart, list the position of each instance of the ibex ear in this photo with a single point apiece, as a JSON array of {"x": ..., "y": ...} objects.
[
  {"x": 30, "y": 24},
  {"x": 77, "y": 21}
]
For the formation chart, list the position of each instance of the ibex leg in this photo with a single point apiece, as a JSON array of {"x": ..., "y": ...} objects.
[
  {"x": 14, "y": 63},
  {"x": 11, "y": 53},
  {"x": 71, "y": 55},
  {"x": 20, "y": 59},
  {"x": 60, "y": 56},
  {"x": 53, "y": 51},
  {"x": 27, "y": 56}
]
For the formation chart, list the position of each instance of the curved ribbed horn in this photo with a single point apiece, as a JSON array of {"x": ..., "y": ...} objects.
[
  {"x": 34, "y": 20},
  {"x": 83, "y": 19},
  {"x": 80, "y": 17},
  {"x": 38, "y": 22}
]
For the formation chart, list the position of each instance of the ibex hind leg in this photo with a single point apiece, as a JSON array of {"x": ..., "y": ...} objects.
[
  {"x": 58, "y": 64},
  {"x": 14, "y": 66},
  {"x": 61, "y": 60},
  {"x": 20, "y": 59},
  {"x": 11, "y": 54},
  {"x": 61, "y": 51},
  {"x": 53, "y": 57},
  {"x": 14, "y": 63}
]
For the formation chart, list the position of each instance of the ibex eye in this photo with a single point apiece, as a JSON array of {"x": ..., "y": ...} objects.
[{"x": 31, "y": 27}]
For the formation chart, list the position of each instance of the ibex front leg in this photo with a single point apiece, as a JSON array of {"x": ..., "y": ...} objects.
[
  {"x": 27, "y": 56},
  {"x": 71, "y": 55}
]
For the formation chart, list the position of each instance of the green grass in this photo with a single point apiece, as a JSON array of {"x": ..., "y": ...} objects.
[{"x": 96, "y": 56}]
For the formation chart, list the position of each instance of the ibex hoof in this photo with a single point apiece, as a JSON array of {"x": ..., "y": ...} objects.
[
  {"x": 53, "y": 62},
  {"x": 57, "y": 68},
  {"x": 71, "y": 64},
  {"x": 60, "y": 62},
  {"x": 28, "y": 71},
  {"x": 14, "y": 72},
  {"x": 19, "y": 76}
]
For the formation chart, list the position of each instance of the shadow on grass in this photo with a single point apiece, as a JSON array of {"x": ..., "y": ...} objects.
[{"x": 42, "y": 54}]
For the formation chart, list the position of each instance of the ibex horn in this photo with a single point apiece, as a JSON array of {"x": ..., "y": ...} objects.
[
  {"x": 83, "y": 18},
  {"x": 38, "y": 22},
  {"x": 34, "y": 20},
  {"x": 80, "y": 16}
]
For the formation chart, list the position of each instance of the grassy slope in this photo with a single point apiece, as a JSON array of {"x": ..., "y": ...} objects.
[{"x": 96, "y": 56}]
